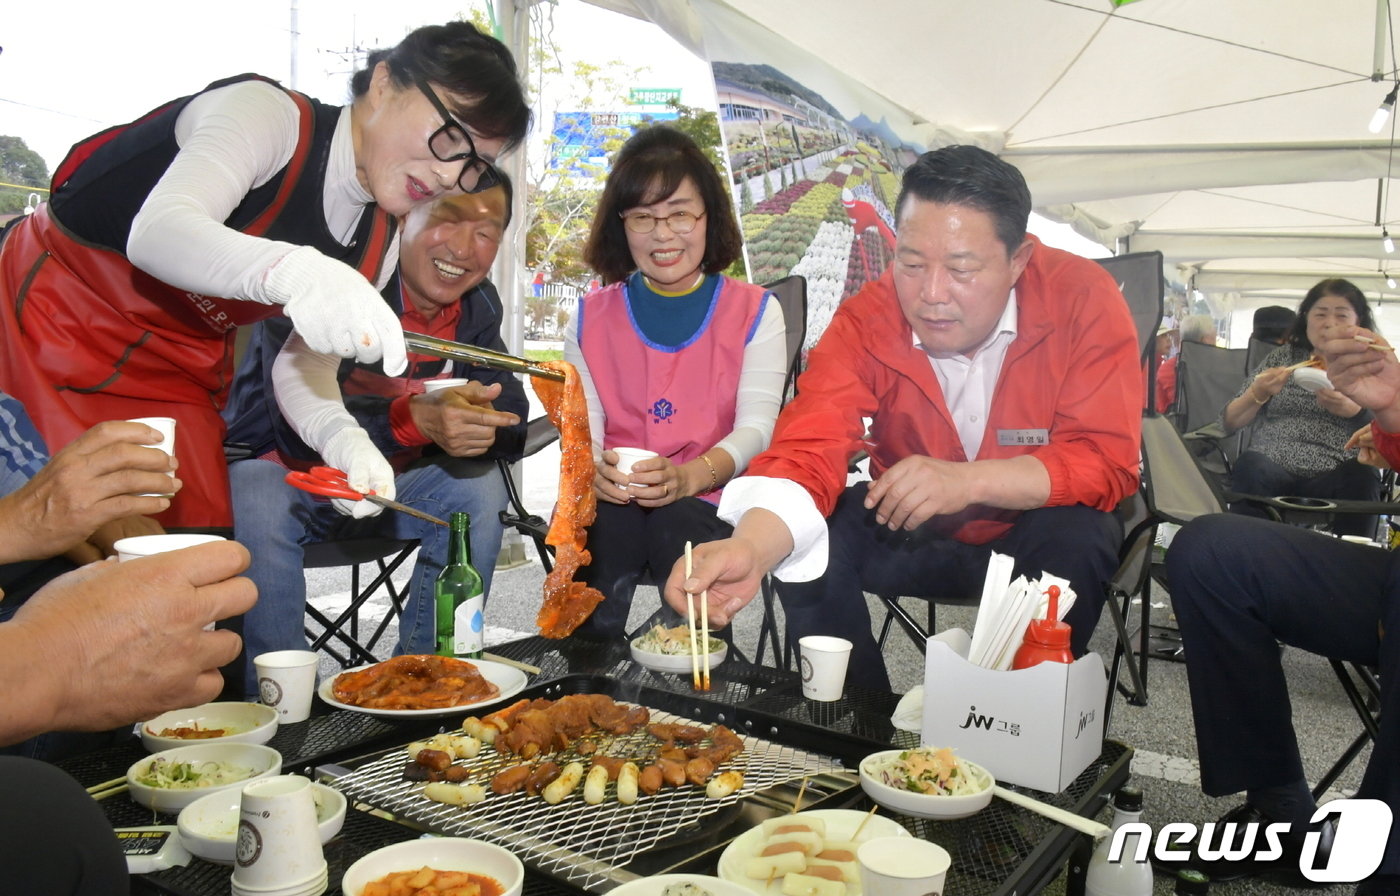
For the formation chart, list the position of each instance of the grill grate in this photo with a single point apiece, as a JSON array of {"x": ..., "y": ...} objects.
[{"x": 588, "y": 846}]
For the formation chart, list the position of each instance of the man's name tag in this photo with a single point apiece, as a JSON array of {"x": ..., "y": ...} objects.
[{"x": 1023, "y": 437}]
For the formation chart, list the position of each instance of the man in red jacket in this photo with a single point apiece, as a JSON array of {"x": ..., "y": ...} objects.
[{"x": 1002, "y": 384}]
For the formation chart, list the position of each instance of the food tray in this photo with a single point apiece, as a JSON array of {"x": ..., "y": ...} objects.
[{"x": 598, "y": 847}]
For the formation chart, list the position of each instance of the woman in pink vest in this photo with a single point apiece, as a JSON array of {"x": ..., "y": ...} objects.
[{"x": 675, "y": 358}]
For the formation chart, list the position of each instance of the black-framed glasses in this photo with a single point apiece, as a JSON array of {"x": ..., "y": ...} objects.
[
  {"x": 680, "y": 223},
  {"x": 452, "y": 143}
]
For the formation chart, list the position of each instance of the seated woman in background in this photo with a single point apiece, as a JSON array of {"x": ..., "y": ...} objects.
[
  {"x": 1299, "y": 444},
  {"x": 674, "y": 357}
]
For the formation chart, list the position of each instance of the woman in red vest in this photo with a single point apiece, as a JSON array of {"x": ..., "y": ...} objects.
[
  {"x": 242, "y": 201},
  {"x": 675, "y": 358}
]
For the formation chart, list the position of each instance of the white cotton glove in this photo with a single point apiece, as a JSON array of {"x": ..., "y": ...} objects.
[
  {"x": 337, "y": 311},
  {"x": 365, "y": 468}
]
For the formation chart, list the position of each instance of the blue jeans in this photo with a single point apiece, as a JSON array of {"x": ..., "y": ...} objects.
[{"x": 273, "y": 520}]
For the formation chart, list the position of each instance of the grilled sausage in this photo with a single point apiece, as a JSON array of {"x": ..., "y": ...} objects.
[
  {"x": 650, "y": 779},
  {"x": 436, "y": 760},
  {"x": 541, "y": 777},
  {"x": 510, "y": 780}
]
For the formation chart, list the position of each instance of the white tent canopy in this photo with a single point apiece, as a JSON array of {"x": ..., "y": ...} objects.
[{"x": 1231, "y": 136}]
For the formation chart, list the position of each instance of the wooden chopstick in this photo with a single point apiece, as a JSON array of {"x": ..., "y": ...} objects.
[
  {"x": 105, "y": 785},
  {"x": 1299, "y": 365},
  {"x": 103, "y": 794},
  {"x": 1368, "y": 341},
  {"x": 523, "y": 667},
  {"x": 690, "y": 625},
  {"x": 705, "y": 638}
]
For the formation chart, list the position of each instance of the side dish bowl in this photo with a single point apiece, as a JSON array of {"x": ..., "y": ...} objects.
[
  {"x": 1311, "y": 378},
  {"x": 252, "y": 761},
  {"x": 923, "y": 805},
  {"x": 663, "y": 649},
  {"x": 209, "y": 825},
  {"x": 244, "y": 723}
]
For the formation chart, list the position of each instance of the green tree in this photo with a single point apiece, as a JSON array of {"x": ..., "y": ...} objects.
[
  {"x": 23, "y": 167},
  {"x": 559, "y": 220},
  {"x": 702, "y": 126}
]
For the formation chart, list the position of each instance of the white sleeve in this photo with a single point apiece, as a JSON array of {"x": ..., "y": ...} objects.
[
  {"x": 760, "y": 388},
  {"x": 232, "y": 140},
  {"x": 597, "y": 419},
  {"x": 795, "y": 507},
  {"x": 307, "y": 389}
]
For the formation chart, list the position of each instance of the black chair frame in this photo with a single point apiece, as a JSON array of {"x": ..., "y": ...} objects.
[{"x": 340, "y": 637}]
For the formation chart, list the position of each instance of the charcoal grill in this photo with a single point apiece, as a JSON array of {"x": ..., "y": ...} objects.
[{"x": 598, "y": 847}]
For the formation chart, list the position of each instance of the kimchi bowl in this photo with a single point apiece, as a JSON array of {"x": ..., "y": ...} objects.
[{"x": 439, "y": 854}]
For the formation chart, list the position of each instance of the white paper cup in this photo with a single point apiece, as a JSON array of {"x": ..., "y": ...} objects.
[
  {"x": 823, "y": 663},
  {"x": 450, "y": 383},
  {"x": 286, "y": 682},
  {"x": 166, "y": 426},
  {"x": 279, "y": 845},
  {"x": 626, "y": 457},
  {"x": 146, "y": 545},
  {"x": 902, "y": 866}
]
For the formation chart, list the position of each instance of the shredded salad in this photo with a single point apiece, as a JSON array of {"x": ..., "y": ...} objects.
[
  {"x": 671, "y": 641},
  {"x": 931, "y": 771},
  {"x": 166, "y": 774}
]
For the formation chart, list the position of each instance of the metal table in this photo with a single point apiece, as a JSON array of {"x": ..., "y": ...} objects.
[{"x": 1001, "y": 851}]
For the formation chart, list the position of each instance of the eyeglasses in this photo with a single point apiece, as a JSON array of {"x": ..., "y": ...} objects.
[
  {"x": 452, "y": 143},
  {"x": 680, "y": 223}
]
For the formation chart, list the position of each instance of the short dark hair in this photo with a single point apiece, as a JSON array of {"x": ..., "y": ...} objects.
[
  {"x": 467, "y": 64},
  {"x": 648, "y": 168},
  {"x": 1342, "y": 289},
  {"x": 971, "y": 176}
]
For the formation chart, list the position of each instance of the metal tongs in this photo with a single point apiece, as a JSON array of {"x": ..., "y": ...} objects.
[{"x": 460, "y": 351}]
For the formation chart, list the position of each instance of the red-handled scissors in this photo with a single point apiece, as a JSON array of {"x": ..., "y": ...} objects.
[{"x": 333, "y": 483}]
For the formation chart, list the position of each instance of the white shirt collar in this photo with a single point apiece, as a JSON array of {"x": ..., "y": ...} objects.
[{"x": 345, "y": 199}]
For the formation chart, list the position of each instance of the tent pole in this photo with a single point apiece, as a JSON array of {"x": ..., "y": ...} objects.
[{"x": 1378, "y": 68}]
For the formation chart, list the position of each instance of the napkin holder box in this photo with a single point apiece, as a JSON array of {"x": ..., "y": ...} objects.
[{"x": 1038, "y": 727}]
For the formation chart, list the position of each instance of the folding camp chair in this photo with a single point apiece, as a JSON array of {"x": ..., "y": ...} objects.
[
  {"x": 1255, "y": 353},
  {"x": 1174, "y": 490},
  {"x": 343, "y": 632},
  {"x": 1207, "y": 377}
]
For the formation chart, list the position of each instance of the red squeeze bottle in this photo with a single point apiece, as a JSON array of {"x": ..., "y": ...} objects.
[{"x": 1047, "y": 640}]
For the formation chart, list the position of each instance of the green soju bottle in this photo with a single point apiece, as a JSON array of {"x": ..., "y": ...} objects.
[{"x": 460, "y": 597}]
